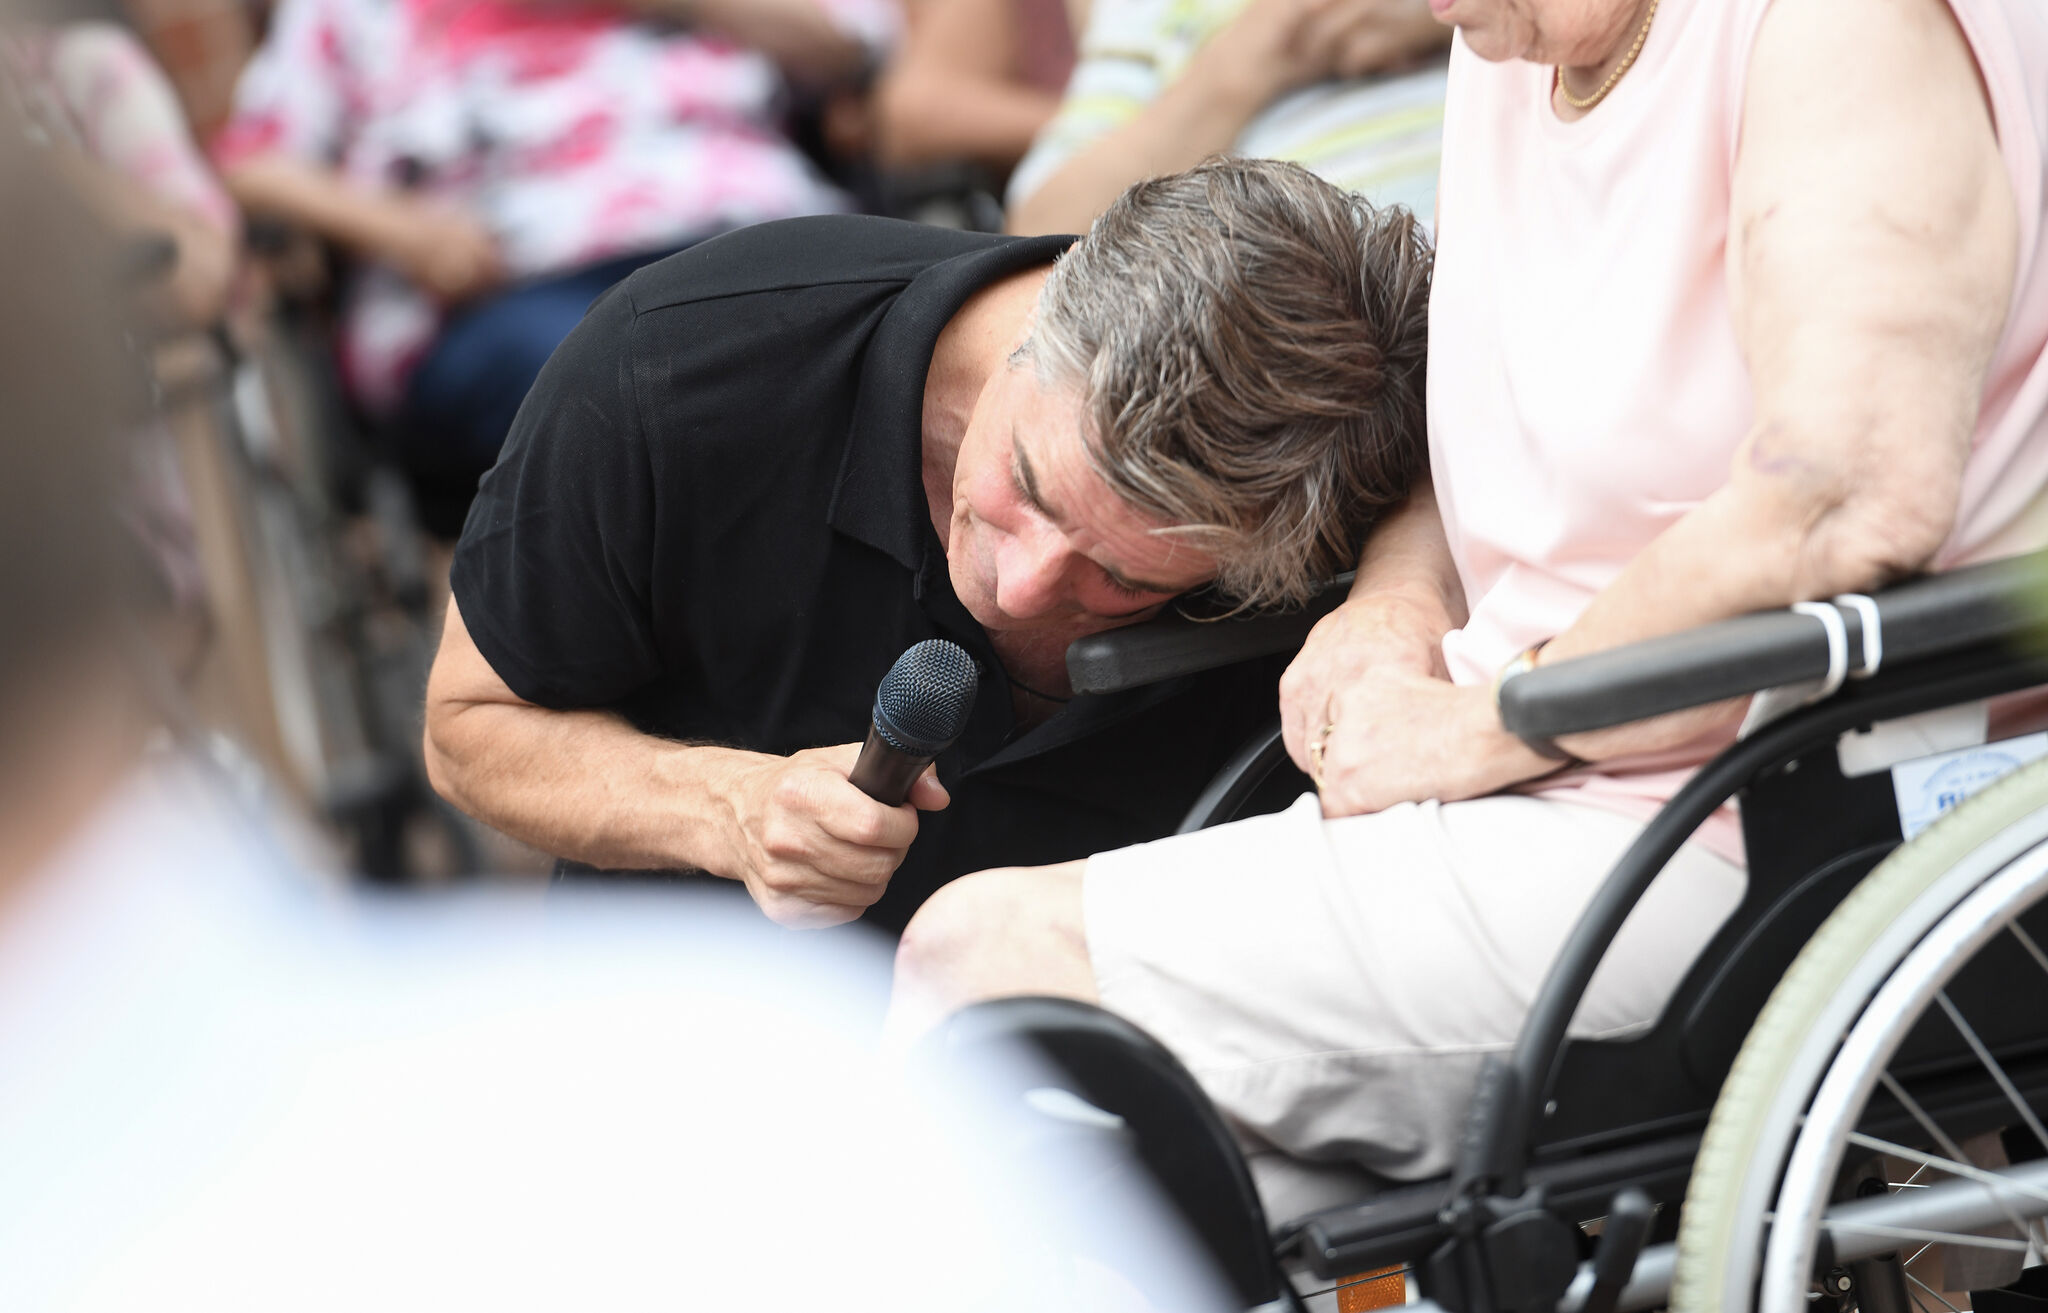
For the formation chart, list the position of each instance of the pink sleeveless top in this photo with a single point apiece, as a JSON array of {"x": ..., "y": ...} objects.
[{"x": 1563, "y": 440}]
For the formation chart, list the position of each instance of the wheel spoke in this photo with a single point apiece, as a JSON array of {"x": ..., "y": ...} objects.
[
  {"x": 1932, "y": 1291},
  {"x": 2027, "y": 942},
  {"x": 2012, "y": 1092},
  {"x": 2000, "y": 1185},
  {"x": 1948, "y": 1146},
  {"x": 1954, "y": 1165}
]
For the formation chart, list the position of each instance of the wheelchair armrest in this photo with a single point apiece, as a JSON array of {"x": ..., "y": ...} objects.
[
  {"x": 1996, "y": 602},
  {"x": 1174, "y": 644}
]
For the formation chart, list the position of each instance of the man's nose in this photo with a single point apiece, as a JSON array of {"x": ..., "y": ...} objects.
[{"x": 1031, "y": 573}]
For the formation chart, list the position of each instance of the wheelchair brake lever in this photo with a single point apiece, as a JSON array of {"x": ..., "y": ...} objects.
[
  {"x": 1490, "y": 1151},
  {"x": 1621, "y": 1243}
]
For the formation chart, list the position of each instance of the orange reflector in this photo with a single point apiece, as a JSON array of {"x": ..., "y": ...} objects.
[{"x": 1380, "y": 1288}]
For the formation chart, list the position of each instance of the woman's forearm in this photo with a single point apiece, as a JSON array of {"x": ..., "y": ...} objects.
[
  {"x": 1752, "y": 546},
  {"x": 367, "y": 221},
  {"x": 928, "y": 115},
  {"x": 1194, "y": 118},
  {"x": 797, "y": 34},
  {"x": 1409, "y": 556}
]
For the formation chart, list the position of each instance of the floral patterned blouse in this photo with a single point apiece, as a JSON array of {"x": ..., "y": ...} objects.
[{"x": 576, "y": 132}]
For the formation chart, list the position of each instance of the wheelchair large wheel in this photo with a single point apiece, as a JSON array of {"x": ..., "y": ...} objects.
[{"x": 1760, "y": 1212}]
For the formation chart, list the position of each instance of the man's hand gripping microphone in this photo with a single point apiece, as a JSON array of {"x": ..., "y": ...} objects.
[{"x": 921, "y": 707}]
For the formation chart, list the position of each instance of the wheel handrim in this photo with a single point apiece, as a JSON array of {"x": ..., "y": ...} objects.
[{"x": 1861, "y": 1063}]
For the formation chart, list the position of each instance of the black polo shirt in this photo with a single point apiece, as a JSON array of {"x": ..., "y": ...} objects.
[{"x": 710, "y": 517}]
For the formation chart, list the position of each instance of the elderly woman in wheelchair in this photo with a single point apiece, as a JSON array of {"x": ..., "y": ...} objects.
[{"x": 1739, "y": 305}]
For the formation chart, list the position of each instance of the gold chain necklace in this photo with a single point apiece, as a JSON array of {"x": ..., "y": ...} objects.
[{"x": 1642, "y": 35}]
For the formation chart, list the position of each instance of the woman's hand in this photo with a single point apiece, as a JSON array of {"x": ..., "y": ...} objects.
[
  {"x": 1371, "y": 689},
  {"x": 1370, "y": 635},
  {"x": 1403, "y": 736},
  {"x": 449, "y": 254},
  {"x": 1275, "y": 46}
]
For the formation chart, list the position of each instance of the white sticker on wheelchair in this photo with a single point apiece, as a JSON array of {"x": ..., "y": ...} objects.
[{"x": 1928, "y": 786}]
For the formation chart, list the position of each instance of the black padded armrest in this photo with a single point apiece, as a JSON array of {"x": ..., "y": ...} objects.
[
  {"x": 1999, "y": 601},
  {"x": 1174, "y": 645}
]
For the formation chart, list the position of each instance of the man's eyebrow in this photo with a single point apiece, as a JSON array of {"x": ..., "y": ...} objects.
[{"x": 1028, "y": 481}]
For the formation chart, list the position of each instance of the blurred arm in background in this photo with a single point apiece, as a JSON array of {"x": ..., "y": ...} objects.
[
  {"x": 976, "y": 80},
  {"x": 805, "y": 37},
  {"x": 1271, "y": 47},
  {"x": 448, "y": 252},
  {"x": 118, "y": 138},
  {"x": 300, "y": 103}
]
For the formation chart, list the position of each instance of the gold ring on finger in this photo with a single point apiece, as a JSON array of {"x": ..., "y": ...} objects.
[{"x": 1316, "y": 748}]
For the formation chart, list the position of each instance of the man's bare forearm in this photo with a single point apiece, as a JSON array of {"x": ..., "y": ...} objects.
[
  {"x": 586, "y": 785},
  {"x": 582, "y": 784}
]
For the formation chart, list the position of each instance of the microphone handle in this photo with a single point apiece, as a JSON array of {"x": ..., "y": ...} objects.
[{"x": 884, "y": 771}]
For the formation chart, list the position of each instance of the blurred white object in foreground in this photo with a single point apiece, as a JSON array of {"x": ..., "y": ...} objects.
[{"x": 225, "y": 1087}]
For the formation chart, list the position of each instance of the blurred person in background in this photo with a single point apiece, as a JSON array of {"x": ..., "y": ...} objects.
[
  {"x": 227, "y": 1083},
  {"x": 495, "y": 164},
  {"x": 92, "y": 95},
  {"x": 107, "y": 123},
  {"x": 1352, "y": 90},
  {"x": 974, "y": 81}
]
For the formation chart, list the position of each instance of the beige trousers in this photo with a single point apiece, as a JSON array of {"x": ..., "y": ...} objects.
[{"x": 1335, "y": 985}]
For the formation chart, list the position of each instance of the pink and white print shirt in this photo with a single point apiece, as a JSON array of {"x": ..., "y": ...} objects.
[{"x": 575, "y": 132}]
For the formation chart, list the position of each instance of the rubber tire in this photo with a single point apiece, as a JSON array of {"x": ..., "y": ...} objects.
[{"x": 1731, "y": 1152}]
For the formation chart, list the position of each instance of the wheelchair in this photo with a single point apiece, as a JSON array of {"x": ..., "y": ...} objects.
[{"x": 1849, "y": 1084}]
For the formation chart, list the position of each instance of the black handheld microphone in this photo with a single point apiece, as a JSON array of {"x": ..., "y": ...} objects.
[{"x": 920, "y": 709}]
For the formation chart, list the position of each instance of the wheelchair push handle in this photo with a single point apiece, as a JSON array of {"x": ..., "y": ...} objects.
[
  {"x": 1177, "y": 643},
  {"x": 1996, "y": 602}
]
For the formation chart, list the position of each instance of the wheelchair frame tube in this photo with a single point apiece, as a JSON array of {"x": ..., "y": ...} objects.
[
  {"x": 1539, "y": 1049},
  {"x": 1922, "y": 619}
]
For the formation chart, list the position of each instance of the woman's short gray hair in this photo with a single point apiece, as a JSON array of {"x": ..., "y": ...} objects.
[{"x": 1249, "y": 343}]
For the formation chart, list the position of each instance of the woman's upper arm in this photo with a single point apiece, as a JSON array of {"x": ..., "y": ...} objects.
[{"x": 1872, "y": 248}]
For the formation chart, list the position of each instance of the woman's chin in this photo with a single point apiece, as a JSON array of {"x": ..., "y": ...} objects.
[{"x": 1490, "y": 37}]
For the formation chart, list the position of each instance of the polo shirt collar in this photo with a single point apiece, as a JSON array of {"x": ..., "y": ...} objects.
[{"x": 879, "y": 498}]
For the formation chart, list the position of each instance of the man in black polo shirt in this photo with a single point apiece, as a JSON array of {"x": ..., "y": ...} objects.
[{"x": 762, "y": 468}]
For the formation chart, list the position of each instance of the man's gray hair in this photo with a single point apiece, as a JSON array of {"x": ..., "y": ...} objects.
[{"x": 1249, "y": 343}]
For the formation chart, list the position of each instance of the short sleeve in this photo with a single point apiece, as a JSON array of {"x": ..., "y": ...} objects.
[
  {"x": 295, "y": 94},
  {"x": 554, "y": 567},
  {"x": 1120, "y": 72}
]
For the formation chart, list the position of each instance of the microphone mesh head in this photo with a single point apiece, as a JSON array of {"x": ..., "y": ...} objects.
[{"x": 923, "y": 702}]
